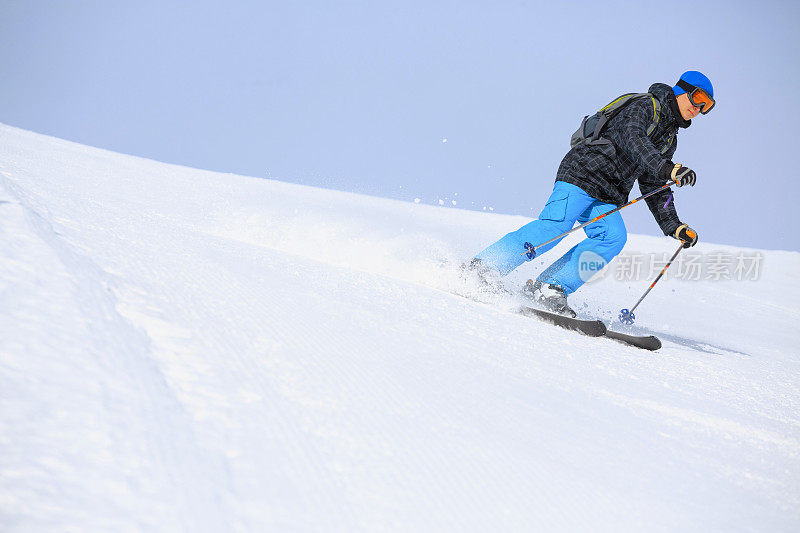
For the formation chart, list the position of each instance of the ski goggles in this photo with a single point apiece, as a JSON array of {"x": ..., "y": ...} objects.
[{"x": 698, "y": 97}]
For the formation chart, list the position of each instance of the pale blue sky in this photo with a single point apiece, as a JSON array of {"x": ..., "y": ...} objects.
[{"x": 359, "y": 96}]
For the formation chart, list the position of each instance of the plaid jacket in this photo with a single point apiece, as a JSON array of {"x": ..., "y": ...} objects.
[{"x": 607, "y": 172}]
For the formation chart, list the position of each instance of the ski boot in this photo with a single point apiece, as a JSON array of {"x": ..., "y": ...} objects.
[{"x": 550, "y": 297}]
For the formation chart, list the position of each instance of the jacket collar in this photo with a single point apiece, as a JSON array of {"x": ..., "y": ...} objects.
[
  {"x": 669, "y": 104},
  {"x": 676, "y": 112}
]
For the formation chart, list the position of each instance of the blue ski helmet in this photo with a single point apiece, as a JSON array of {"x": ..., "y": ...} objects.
[{"x": 698, "y": 79}]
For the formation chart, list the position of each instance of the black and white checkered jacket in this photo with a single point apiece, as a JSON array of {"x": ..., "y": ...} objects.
[{"x": 607, "y": 172}]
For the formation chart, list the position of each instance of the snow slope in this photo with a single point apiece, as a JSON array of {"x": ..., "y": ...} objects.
[{"x": 188, "y": 350}]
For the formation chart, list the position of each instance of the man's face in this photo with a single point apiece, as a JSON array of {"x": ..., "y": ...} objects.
[{"x": 688, "y": 110}]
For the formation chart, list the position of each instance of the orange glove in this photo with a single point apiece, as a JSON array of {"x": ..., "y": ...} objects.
[{"x": 687, "y": 235}]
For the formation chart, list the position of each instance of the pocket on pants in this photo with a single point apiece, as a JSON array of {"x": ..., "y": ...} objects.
[
  {"x": 596, "y": 231},
  {"x": 556, "y": 207}
]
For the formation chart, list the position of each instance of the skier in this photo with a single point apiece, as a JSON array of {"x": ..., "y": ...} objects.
[{"x": 637, "y": 143}]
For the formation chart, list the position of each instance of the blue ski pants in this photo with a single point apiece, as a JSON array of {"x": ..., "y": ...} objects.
[{"x": 568, "y": 203}]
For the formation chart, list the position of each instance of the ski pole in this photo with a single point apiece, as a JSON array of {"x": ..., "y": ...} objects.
[
  {"x": 626, "y": 316},
  {"x": 530, "y": 251}
]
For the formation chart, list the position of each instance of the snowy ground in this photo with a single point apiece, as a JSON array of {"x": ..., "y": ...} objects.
[{"x": 188, "y": 350}]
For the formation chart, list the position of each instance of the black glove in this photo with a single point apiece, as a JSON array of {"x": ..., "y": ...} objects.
[
  {"x": 678, "y": 173},
  {"x": 687, "y": 235}
]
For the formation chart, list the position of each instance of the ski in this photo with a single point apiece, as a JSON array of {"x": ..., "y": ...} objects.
[
  {"x": 645, "y": 342},
  {"x": 592, "y": 328}
]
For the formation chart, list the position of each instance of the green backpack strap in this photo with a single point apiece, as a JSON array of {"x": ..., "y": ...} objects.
[
  {"x": 652, "y": 127},
  {"x": 656, "y": 114}
]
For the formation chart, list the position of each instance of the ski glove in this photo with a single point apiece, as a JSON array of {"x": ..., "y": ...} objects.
[
  {"x": 687, "y": 235},
  {"x": 678, "y": 173}
]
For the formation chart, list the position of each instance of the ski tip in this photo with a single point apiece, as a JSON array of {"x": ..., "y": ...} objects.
[
  {"x": 647, "y": 342},
  {"x": 656, "y": 344}
]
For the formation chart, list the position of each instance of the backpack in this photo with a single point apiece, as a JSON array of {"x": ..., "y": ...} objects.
[{"x": 592, "y": 125}]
